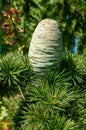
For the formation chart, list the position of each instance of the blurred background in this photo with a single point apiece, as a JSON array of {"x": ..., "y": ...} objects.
[{"x": 19, "y": 18}]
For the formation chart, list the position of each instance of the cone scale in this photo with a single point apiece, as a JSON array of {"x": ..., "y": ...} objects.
[{"x": 45, "y": 51}]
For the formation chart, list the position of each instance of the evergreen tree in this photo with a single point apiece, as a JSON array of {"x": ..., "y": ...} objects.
[{"x": 70, "y": 15}]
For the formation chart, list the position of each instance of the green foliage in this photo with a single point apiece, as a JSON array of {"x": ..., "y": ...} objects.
[
  {"x": 42, "y": 104},
  {"x": 73, "y": 71},
  {"x": 14, "y": 73},
  {"x": 51, "y": 107},
  {"x": 56, "y": 101},
  {"x": 8, "y": 108},
  {"x": 80, "y": 61},
  {"x": 3, "y": 111},
  {"x": 12, "y": 30},
  {"x": 70, "y": 15}
]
